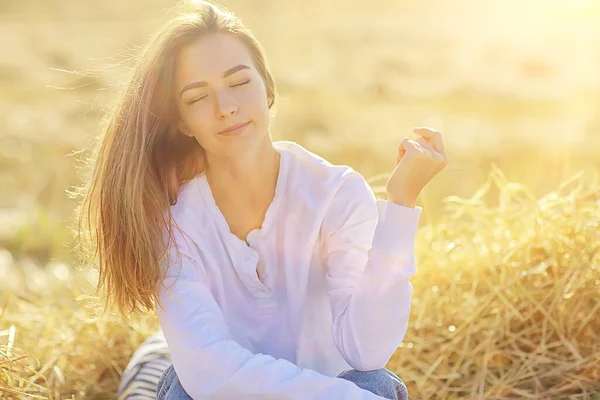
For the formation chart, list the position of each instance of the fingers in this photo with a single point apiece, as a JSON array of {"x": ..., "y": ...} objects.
[
  {"x": 399, "y": 156},
  {"x": 434, "y": 137},
  {"x": 427, "y": 146},
  {"x": 410, "y": 146},
  {"x": 420, "y": 147},
  {"x": 404, "y": 143},
  {"x": 401, "y": 150},
  {"x": 407, "y": 146}
]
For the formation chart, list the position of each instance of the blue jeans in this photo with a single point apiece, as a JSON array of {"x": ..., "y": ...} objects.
[{"x": 381, "y": 382}]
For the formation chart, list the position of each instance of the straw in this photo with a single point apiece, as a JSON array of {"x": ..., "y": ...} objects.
[
  {"x": 507, "y": 298},
  {"x": 506, "y": 305}
]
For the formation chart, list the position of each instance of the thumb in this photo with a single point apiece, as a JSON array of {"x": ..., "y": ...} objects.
[{"x": 401, "y": 153}]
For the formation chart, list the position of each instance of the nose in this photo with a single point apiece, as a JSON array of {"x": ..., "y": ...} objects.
[{"x": 225, "y": 106}]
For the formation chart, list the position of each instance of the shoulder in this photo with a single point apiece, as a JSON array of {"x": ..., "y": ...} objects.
[
  {"x": 311, "y": 170},
  {"x": 315, "y": 179}
]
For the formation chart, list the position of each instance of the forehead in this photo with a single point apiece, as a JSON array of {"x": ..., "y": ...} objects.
[{"x": 208, "y": 57}]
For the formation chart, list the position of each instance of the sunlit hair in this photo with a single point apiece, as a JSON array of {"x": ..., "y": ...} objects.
[{"x": 142, "y": 159}]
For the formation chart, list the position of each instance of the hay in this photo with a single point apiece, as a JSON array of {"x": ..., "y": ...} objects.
[
  {"x": 506, "y": 301},
  {"x": 506, "y": 305},
  {"x": 54, "y": 345}
]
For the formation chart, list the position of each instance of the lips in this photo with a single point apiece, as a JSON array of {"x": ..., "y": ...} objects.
[{"x": 234, "y": 129}]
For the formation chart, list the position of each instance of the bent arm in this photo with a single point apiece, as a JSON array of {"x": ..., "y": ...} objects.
[
  {"x": 211, "y": 365},
  {"x": 370, "y": 258}
]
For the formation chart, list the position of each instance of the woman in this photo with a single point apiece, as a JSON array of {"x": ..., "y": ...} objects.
[{"x": 274, "y": 274}]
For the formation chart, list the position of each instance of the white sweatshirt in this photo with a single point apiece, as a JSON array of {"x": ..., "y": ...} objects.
[{"x": 333, "y": 294}]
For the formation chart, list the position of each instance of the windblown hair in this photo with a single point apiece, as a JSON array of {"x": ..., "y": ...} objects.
[{"x": 142, "y": 159}]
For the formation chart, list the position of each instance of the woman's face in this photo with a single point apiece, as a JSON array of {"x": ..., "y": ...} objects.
[{"x": 218, "y": 87}]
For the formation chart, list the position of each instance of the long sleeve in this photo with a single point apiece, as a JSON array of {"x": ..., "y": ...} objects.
[
  {"x": 369, "y": 247},
  {"x": 210, "y": 365}
]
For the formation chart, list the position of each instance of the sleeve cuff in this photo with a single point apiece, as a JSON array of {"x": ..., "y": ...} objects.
[
  {"x": 395, "y": 233},
  {"x": 396, "y": 226}
]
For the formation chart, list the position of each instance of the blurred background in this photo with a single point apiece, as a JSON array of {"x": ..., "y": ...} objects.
[
  {"x": 505, "y": 297},
  {"x": 514, "y": 83}
]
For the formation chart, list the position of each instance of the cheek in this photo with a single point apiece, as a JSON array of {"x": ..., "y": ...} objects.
[
  {"x": 258, "y": 101},
  {"x": 198, "y": 118}
]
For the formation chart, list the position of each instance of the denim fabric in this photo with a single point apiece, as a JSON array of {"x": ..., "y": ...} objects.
[{"x": 381, "y": 382}]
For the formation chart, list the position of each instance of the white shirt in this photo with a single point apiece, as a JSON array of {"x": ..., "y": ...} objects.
[{"x": 334, "y": 291}]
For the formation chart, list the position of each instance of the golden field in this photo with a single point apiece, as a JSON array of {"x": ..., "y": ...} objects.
[{"x": 506, "y": 299}]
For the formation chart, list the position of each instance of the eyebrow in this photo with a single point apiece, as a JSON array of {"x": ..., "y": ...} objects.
[{"x": 230, "y": 71}]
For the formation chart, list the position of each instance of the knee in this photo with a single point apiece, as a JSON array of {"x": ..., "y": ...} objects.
[
  {"x": 377, "y": 374},
  {"x": 378, "y": 378},
  {"x": 401, "y": 388}
]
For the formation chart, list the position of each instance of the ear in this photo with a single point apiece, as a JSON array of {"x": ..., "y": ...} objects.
[
  {"x": 184, "y": 129},
  {"x": 270, "y": 99}
]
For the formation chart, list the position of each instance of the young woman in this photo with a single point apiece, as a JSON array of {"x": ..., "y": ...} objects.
[{"x": 274, "y": 273}]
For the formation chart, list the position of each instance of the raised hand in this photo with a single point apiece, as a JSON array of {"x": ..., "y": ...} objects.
[{"x": 417, "y": 162}]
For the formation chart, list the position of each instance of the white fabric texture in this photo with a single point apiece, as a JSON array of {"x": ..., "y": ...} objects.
[{"x": 322, "y": 287}]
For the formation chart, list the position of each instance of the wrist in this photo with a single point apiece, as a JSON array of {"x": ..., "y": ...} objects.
[{"x": 403, "y": 201}]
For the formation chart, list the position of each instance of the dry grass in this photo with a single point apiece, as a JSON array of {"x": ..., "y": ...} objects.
[
  {"x": 506, "y": 305},
  {"x": 504, "y": 299},
  {"x": 507, "y": 298},
  {"x": 53, "y": 345}
]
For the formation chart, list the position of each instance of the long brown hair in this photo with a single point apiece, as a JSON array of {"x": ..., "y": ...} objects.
[{"x": 142, "y": 159}]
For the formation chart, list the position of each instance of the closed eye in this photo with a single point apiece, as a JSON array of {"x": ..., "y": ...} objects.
[
  {"x": 239, "y": 84},
  {"x": 195, "y": 100},
  {"x": 243, "y": 83}
]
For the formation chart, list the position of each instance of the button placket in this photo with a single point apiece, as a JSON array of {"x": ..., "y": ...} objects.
[{"x": 250, "y": 263}]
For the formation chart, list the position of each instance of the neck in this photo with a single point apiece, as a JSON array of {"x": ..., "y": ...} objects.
[{"x": 248, "y": 177}]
